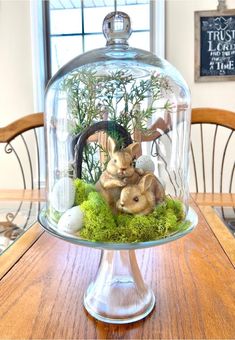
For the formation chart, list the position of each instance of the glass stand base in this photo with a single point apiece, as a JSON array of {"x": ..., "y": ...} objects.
[{"x": 119, "y": 295}]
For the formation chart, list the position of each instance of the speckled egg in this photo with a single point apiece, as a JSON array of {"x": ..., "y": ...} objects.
[
  {"x": 145, "y": 162},
  {"x": 71, "y": 221},
  {"x": 63, "y": 194}
]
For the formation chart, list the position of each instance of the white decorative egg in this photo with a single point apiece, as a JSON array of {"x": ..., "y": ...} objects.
[
  {"x": 63, "y": 194},
  {"x": 145, "y": 162},
  {"x": 72, "y": 220}
]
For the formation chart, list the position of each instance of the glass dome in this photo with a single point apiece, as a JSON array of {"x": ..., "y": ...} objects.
[{"x": 117, "y": 132}]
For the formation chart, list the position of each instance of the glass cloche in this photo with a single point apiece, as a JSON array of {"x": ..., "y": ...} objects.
[{"x": 117, "y": 134}]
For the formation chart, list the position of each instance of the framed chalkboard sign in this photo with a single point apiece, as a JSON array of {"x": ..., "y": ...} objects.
[{"x": 215, "y": 45}]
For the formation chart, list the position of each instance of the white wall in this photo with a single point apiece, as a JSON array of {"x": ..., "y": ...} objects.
[
  {"x": 16, "y": 90},
  {"x": 16, "y": 83},
  {"x": 180, "y": 52}
]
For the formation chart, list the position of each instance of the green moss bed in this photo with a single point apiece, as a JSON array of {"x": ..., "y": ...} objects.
[{"x": 101, "y": 225}]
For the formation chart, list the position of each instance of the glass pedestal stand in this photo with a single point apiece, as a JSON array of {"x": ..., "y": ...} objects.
[{"x": 119, "y": 295}]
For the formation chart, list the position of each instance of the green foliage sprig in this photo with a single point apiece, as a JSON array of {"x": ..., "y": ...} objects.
[{"x": 119, "y": 97}]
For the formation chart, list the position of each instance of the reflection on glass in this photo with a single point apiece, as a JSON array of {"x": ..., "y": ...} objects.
[
  {"x": 227, "y": 214},
  {"x": 15, "y": 218}
]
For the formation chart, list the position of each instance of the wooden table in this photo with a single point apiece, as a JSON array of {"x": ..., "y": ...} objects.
[{"x": 43, "y": 280}]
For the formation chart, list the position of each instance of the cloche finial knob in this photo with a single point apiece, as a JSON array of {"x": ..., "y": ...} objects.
[{"x": 117, "y": 28}]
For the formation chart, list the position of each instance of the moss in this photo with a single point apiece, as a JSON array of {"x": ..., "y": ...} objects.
[
  {"x": 102, "y": 226},
  {"x": 166, "y": 218},
  {"x": 137, "y": 229},
  {"x": 99, "y": 223},
  {"x": 82, "y": 190}
]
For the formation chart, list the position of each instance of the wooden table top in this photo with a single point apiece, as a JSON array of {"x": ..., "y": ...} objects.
[{"x": 43, "y": 280}]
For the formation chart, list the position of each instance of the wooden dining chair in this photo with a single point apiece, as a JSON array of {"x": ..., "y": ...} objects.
[
  {"x": 212, "y": 150},
  {"x": 20, "y": 144},
  {"x": 212, "y": 156},
  {"x": 22, "y": 164}
]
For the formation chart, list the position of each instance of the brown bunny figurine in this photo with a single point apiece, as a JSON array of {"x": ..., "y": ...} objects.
[
  {"x": 119, "y": 172},
  {"x": 141, "y": 198}
]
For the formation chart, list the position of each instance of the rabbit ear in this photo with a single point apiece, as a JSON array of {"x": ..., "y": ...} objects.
[
  {"x": 145, "y": 182},
  {"x": 133, "y": 149},
  {"x": 111, "y": 146}
]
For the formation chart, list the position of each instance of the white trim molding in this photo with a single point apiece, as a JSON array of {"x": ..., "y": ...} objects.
[
  {"x": 157, "y": 27},
  {"x": 37, "y": 54},
  {"x": 38, "y": 72}
]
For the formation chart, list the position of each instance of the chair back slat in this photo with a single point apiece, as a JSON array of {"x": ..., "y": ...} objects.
[
  {"x": 29, "y": 160},
  {"x": 203, "y": 158},
  {"x": 231, "y": 179},
  {"x": 38, "y": 157},
  {"x": 214, "y": 128},
  {"x": 194, "y": 166},
  {"x": 223, "y": 160},
  {"x": 213, "y": 160},
  {"x": 9, "y": 148},
  {"x": 22, "y": 140}
]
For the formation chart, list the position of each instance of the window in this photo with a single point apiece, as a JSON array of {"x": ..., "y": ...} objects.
[
  {"x": 75, "y": 26},
  {"x": 151, "y": 30}
]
